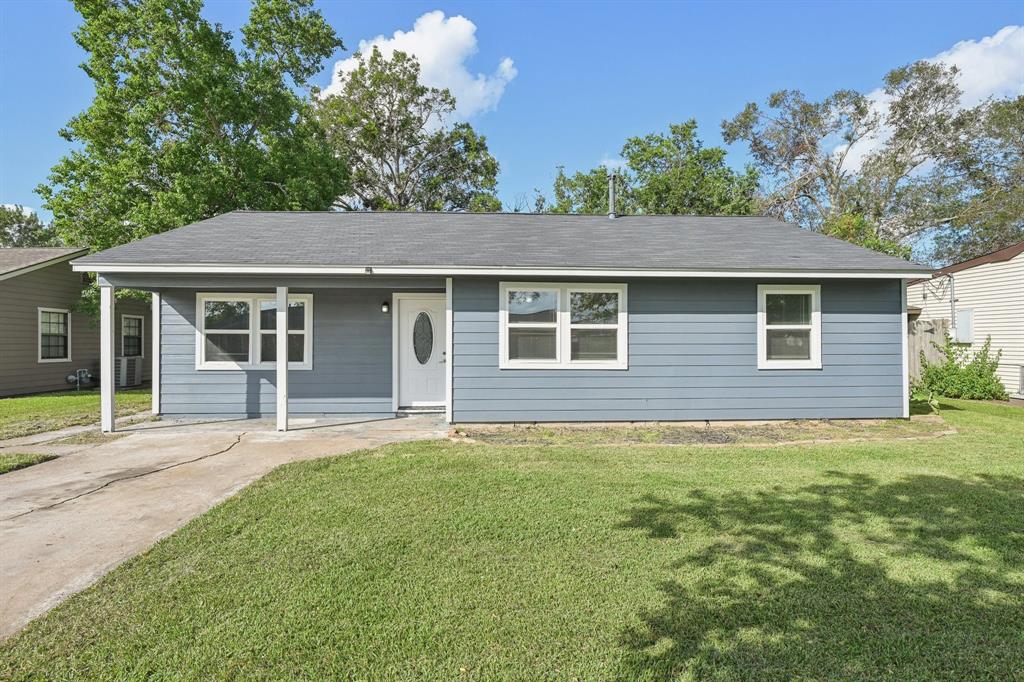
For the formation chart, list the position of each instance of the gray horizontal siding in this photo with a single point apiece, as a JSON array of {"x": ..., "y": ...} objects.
[
  {"x": 692, "y": 355},
  {"x": 55, "y": 286},
  {"x": 351, "y": 362}
]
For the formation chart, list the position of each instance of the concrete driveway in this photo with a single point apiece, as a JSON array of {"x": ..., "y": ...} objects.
[{"x": 66, "y": 522}]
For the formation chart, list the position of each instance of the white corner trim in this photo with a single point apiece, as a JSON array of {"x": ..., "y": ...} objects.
[
  {"x": 394, "y": 352},
  {"x": 154, "y": 370},
  {"x": 904, "y": 343},
  {"x": 45, "y": 264},
  {"x": 763, "y": 363},
  {"x": 39, "y": 335},
  {"x": 563, "y": 326},
  {"x": 492, "y": 271},
  {"x": 449, "y": 352},
  {"x": 142, "y": 332}
]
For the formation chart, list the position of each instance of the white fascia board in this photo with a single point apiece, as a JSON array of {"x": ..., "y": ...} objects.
[{"x": 213, "y": 269}]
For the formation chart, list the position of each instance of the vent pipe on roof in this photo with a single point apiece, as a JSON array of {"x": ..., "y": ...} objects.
[{"x": 611, "y": 194}]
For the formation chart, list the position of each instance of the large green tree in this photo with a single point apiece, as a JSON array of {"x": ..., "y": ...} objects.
[
  {"x": 396, "y": 136},
  {"x": 982, "y": 191},
  {"x": 913, "y": 162},
  {"x": 22, "y": 227},
  {"x": 188, "y": 122},
  {"x": 670, "y": 173}
]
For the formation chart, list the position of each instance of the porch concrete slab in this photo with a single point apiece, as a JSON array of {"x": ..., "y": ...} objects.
[{"x": 67, "y": 522}]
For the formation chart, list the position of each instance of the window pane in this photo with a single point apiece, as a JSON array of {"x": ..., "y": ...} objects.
[
  {"x": 227, "y": 315},
  {"x": 423, "y": 338},
  {"x": 296, "y": 315},
  {"x": 54, "y": 323},
  {"x": 531, "y": 344},
  {"x": 227, "y": 348},
  {"x": 788, "y": 308},
  {"x": 594, "y": 308},
  {"x": 296, "y": 347},
  {"x": 54, "y": 347},
  {"x": 132, "y": 346},
  {"x": 594, "y": 344},
  {"x": 532, "y": 306},
  {"x": 131, "y": 326},
  {"x": 789, "y": 344}
]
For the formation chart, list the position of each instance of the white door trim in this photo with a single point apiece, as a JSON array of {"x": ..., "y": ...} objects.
[{"x": 396, "y": 299}]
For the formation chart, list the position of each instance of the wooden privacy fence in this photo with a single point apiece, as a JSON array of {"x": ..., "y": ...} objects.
[{"x": 923, "y": 335}]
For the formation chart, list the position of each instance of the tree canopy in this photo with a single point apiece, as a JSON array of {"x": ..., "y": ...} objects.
[
  {"x": 187, "y": 122},
  {"x": 912, "y": 163},
  {"x": 22, "y": 227},
  {"x": 670, "y": 173},
  {"x": 395, "y": 135}
]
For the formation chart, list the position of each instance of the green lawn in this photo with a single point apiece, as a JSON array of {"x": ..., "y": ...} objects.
[
  {"x": 13, "y": 461},
  {"x": 441, "y": 560},
  {"x": 33, "y": 414}
]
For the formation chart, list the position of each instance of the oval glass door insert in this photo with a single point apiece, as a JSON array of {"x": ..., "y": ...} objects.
[{"x": 422, "y": 338}]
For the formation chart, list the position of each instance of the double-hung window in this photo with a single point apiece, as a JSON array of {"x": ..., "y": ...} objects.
[
  {"x": 299, "y": 308},
  {"x": 131, "y": 336},
  {"x": 563, "y": 326},
  {"x": 238, "y": 331},
  {"x": 788, "y": 326},
  {"x": 54, "y": 335}
]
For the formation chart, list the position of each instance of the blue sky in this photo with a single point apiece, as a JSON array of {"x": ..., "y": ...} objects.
[{"x": 581, "y": 77}]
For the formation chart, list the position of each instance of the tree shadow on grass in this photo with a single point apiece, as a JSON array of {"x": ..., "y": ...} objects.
[{"x": 922, "y": 578}]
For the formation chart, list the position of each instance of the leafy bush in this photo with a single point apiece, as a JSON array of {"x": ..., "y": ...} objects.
[{"x": 960, "y": 375}]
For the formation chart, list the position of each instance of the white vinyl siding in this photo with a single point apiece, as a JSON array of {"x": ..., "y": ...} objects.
[{"x": 994, "y": 293}]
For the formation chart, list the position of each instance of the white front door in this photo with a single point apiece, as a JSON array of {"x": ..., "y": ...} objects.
[{"x": 421, "y": 349}]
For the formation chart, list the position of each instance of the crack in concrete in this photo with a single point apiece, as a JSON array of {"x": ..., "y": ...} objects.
[{"x": 238, "y": 439}]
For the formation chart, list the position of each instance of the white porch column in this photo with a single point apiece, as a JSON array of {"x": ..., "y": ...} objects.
[
  {"x": 281, "y": 335},
  {"x": 154, "y": 370},
  {"x": 106, "y": 358}
]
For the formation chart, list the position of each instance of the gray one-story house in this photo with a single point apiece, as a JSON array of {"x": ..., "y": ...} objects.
[
  {"x": 45, "y": 340},
  {"x": 516, "y": 317}
]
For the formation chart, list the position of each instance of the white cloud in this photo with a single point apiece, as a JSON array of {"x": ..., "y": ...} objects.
[
  {"x": 614, "y": 163},
  {"x": 990, "y": 67},
  {"x": 442, "y": 45},
  {"x": 26, "y": 210}
]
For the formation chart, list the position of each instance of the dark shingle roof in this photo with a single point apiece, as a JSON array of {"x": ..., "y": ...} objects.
[
  {"x": 14, "y": 259},
  {"x": 499, "y": 240}
]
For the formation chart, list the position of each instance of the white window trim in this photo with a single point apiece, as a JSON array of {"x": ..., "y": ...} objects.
[
  {"x": 39, "y": 335},
  {"x": 815, "y": 327},
  {"x": 563, "y": 326},
  {"x": 142, "y": 335},
  {"x": 254, "y": 332}
]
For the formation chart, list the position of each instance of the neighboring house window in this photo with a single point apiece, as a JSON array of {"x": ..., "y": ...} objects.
[
  {"x": 131, "y": 336},
  {"x": 237, "y": 331},
  {"x": 788, "y": 326},
  {"x": 54, "y": 335},
  {"x": 563, "y": 326}
]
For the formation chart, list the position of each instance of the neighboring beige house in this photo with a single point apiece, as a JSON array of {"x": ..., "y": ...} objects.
[
  {"x": 988, "y": 301},
  {"x": 42, "y": 341}
]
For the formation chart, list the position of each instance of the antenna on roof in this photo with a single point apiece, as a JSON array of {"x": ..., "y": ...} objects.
[{"x": 611, "y": 194}]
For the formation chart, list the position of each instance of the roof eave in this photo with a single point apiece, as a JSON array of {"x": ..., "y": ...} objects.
[
  {"x": 44, "y": 264},
  {"x": 499, "y": 271}
]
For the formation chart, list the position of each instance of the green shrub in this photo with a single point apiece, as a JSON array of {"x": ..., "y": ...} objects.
[{"x": 960, "y": 375}]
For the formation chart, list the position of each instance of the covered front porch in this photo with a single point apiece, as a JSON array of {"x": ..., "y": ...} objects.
[{"x": 364, "y": 347}]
